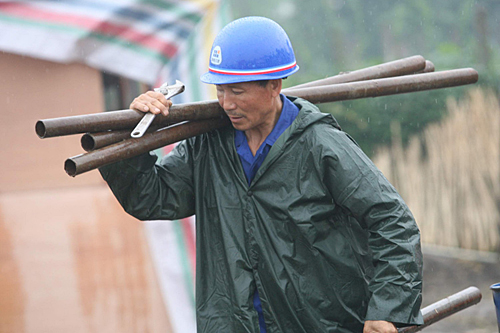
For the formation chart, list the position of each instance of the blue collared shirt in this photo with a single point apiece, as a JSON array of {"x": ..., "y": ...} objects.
[{"x": 251, "y": 164}]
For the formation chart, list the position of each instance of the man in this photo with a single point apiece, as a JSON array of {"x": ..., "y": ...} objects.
[{"x": 297, "y": 231}]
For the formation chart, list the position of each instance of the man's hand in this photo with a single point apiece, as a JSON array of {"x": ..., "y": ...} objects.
[
  {"x": 379, "y": 326},
  {"x": 153, "y": 102}
]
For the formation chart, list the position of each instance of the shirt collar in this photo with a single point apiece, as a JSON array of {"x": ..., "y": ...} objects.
[{"x": 288, "y": 114}]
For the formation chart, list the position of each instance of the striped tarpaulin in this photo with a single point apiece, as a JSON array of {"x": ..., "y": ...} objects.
[
  {"x": 132, "y": 38},
  {"x": 150, "y": 41}
]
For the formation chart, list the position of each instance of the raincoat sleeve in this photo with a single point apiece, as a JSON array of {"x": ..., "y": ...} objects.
[
  {"x": 394, "y": 239},
  {"x": 149, "y": 191}
]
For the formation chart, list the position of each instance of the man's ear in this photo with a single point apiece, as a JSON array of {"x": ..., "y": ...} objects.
[{"x": 275, "y": 86}]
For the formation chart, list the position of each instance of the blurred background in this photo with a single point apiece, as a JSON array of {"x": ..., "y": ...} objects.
[{"x": 72, "y": 261}]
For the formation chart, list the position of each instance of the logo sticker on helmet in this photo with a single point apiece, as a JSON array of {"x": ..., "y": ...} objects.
[{"x": 216, "y": 57}]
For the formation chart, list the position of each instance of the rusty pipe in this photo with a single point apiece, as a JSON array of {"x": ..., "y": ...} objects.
[
  {"x": 429, "y": 67},
  {"x": 318, "y": 94},
  {"x": 375, "y": 88},
  {"x": 123, "y": 119},
  {"x": 93, "y": 141},
  {"x": 387, "y": 86},
  {"x": 446, "y": 307},
  {"x": 96, "y": 122},
  {"x": 102, "y": 131},
  {"x": 322, "y": 94},
  {"x": 399, "y": 67},
  {"x": 136, "y": 146},
  {"x": 127, "y": 119}
]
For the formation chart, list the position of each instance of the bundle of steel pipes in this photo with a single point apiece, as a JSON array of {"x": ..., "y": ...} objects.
[{"x": 107, "y": 135}]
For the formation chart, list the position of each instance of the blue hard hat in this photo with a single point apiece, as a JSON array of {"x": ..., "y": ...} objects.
[{"x": 250, "y": 49}]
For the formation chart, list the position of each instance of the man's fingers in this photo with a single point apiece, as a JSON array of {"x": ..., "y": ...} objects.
[
  {"x": 379, "y": 326},
  {"x": 165, "y": 110},
  {"x": 139, "y": 106},
  {"x": 151, "y": 101},
  {"x": 162, "y": 107}
]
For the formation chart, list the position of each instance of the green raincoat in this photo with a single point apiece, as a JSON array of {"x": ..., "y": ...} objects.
[{"x": 320, "y": 232}]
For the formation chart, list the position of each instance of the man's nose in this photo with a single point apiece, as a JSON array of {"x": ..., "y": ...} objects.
[{"x": 227, "y": 102}]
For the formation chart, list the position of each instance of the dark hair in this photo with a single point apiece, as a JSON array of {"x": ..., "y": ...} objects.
[{"x": 263, "y": 83}]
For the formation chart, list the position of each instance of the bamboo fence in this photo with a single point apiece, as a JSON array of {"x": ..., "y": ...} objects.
[{"x": 450, "y": 174}]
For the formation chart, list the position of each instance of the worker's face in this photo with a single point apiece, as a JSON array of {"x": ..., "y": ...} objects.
[{"x": 248, "y": 104}]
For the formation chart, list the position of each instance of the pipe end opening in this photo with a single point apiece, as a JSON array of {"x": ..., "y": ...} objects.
[
  {"x": 70, "y": 167},
  {"x": 87, "y": 142},
  {"x": 40, "y": 129}
]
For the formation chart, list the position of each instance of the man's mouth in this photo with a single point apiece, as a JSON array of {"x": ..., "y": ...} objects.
[{"x": 234, "y": 117}]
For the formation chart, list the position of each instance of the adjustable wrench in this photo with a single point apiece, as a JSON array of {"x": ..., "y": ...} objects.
[{"x": 168, "y": 91}]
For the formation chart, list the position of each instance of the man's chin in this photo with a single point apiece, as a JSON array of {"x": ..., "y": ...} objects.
[
  {"x": 239, "y": 127},
  {"x": 239, "y": 124}
]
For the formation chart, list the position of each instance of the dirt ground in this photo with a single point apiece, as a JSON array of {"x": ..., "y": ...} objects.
[{"x": 446, "y": 275}]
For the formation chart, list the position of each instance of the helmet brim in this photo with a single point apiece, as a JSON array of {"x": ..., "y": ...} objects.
[{"x": 217, "y": 78}]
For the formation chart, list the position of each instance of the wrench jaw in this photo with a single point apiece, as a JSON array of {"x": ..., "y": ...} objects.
[
  {"x": 168, "y": 91},
  {"x": 163, "y": 89}
]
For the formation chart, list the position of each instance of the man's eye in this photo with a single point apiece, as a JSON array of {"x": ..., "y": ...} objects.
[{"x": 237, "y": 92}]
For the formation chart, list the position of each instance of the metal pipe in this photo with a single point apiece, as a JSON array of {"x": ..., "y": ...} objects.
[
  {"x": 210, "y": 109},
  {"x": 322, "y": 94},
  {"x": 124, "y": 119},
  {"x": 97, "y": 122},
  {"x": 136, "y": 146},
  {"x": 429, "y": 67},
  {"x": 388, "y": 86},
  {"x": 410, "y": 65},
  {"x": 93, "y": 141},
  {"x": 128, "y": 119},
  {"x": 446, "y": 307}
]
